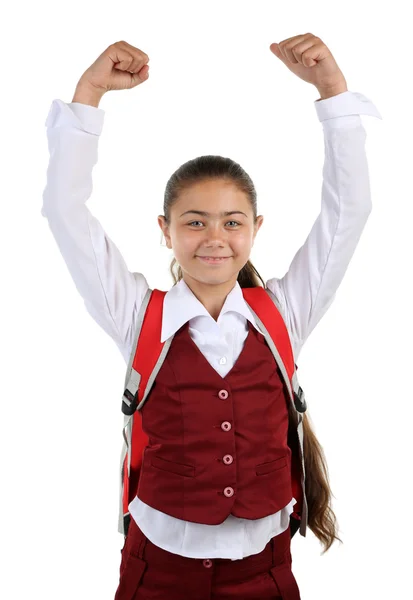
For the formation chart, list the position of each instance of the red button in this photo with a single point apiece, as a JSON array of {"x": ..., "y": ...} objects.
[
  {"x": 228, "y": 492},
  {"x": 207, "y": 563},
  {"x": 226, "y": 426},
  {"x": 228, "y": 459},
  {"x": 223, "y": 394}
]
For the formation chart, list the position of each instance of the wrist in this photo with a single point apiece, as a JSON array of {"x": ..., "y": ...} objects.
[
  {"x": 331, "y": 91},
  {"x": 85, "y": 94},
  {"x": 328, "y": 93}
]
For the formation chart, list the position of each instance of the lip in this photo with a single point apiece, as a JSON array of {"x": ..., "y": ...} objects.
[{"x": 210, "y": 259}]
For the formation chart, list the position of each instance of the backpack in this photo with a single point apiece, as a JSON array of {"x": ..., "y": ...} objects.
[{"x": 147, "y": 356}]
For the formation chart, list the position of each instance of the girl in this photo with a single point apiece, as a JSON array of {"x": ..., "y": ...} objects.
[{"x": 179, "y": 545}]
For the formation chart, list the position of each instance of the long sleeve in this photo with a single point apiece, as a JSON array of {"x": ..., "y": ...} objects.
[
  {"x": 309, "y": 287},
  {"x": 109, "y": 290}
]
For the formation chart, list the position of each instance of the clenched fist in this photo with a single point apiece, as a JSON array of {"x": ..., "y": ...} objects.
[
  {"x": 120, "y": 67},
  {"x": 308, "y": 57}
]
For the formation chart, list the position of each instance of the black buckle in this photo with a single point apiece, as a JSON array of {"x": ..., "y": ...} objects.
[
  {"x": 133, "y": 398},
  {"x": 294, "y": 525},
  {"x": 299, "y": 401},
  {"x": 126, "y": 523}
]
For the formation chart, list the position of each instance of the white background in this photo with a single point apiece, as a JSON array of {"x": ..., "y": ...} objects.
[{"x": 214, "y": 88}]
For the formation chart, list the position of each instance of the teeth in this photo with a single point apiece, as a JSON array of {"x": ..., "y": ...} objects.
[{"x": 211, "y": 259}]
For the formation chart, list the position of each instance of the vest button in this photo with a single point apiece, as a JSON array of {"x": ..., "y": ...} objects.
[
  {"x": 223, "y": 394},
  {"x": 207, "y": 563},
  {"x": 228, "y": 459},
  {"x": 228, "y": 492},
  {"x": 226, "y": 426}
]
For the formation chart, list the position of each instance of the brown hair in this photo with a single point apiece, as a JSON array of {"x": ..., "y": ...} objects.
[{"x": 321, "y": 518}]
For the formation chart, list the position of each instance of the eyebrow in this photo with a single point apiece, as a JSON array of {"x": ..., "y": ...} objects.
[{"x": 207, "y": 214}]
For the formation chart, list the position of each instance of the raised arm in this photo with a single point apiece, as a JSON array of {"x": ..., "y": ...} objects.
[
  {"x": 112, "y": 294},
  {"x": 308, "y": 288}
]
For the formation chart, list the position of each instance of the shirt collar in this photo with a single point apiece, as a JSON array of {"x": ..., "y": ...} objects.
[{"x": 181, "y": 305}]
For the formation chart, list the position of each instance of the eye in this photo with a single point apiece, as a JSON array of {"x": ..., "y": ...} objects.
[{"x": 192, "y": 222}]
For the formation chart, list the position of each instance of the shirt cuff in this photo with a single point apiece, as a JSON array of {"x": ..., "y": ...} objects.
[
  {"x": 345, "y": 104},
  {"x": 82, "y": 116}
]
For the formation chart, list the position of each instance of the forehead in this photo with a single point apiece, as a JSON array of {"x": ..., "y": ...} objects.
[{"x": 212, "y": 196}]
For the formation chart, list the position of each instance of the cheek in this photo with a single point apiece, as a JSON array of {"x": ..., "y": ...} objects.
[
  {"x": 187, "y": 247},
  {"x": 188, "y": 243},
  {"x": 241, "y": 242}
]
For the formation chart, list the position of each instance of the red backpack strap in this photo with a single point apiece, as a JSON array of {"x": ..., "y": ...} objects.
[
  {"x": 269, "y": 316},
  {"x": 267, "y": 312},
  {"x": 263, "y": 305},
  {"x": 147, "y": 348},
  {"x": 141, "y": 372}
]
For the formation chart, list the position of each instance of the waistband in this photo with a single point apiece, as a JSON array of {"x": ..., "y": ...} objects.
[{"x": 276, "y": 553}]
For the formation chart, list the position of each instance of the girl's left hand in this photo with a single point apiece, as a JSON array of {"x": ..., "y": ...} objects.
[{"x": 309, "y": 58}]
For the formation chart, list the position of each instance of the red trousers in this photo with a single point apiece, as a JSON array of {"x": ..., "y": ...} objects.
[{"x": 148, "y": 572}]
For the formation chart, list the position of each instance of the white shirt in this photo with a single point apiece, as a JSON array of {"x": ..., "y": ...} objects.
[{"x": 113, "y": 295}]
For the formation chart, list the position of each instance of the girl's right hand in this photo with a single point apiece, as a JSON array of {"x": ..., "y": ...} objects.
[{"x": 120, "y": 67}]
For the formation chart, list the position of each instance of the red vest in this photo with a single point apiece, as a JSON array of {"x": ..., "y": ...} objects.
[
  {"x": 199, "y": 446},
  {"x": 217, "y": 446}
]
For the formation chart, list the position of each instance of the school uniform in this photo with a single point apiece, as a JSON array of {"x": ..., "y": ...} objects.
[{"x": 180, "y": 544}]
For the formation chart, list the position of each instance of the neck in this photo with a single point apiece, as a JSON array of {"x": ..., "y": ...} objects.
[{"x": 212, "y": 296}]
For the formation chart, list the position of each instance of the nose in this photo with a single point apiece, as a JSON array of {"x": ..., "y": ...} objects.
[
  {"x": 215, "y": 235},
  {"x": 214, "y": 242}
]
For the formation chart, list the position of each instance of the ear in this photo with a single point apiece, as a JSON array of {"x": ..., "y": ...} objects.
[
  {"x": 257, "y": 225},
  {"x": 165, "y": 230}
]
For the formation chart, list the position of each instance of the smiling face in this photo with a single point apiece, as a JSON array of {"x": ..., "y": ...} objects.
[{"x": 192, "y": 235}]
